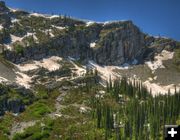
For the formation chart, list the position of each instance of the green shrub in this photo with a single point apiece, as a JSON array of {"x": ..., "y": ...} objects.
[
  {"x": 18, "y": 48},
  {"x": 37, "y": 110},
  {"x": 40, "y": 109}
]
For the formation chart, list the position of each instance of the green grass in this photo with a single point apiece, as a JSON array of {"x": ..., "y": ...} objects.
[
  {"x": 43, "y": 105},
  {"x": 37, "y": 110},
  {"x": 61, "y": 128},
  {"x": 37, "y": 132},
  {"x": 3, "y": 136},
  {"x": 41, "y": 92},
  {"x": 5, "y": 124},
  {"x": 71, "y": 111}
]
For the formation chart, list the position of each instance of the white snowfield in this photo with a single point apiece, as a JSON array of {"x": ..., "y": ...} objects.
[
  {"x": 27, "y": 67},
  {"x": 50, "y": 64},
  {"x": 23, "y": 80},
  {"x": 107, "y": 71},
  {"x": 80, "y": 71},
  {"x": 158, "y": 63},
  {"x": 159, "y": 89}
]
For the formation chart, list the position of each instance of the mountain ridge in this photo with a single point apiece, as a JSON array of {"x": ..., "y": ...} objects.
[
  {"x": 110, "y": 30},
  {"x": 34, "y": 37}
]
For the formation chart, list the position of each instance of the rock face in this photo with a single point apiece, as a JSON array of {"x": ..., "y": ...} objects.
[
  {"x": 11, "y": 99},
  {"x": 4, "y": 14},
  {"x": 120, "y": 43},
  {"x": 123, "y": 44},
  {"x": 13, "y": 105}
]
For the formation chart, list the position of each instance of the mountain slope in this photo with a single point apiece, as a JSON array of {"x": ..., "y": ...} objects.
[{"x": 28, "y": 37}]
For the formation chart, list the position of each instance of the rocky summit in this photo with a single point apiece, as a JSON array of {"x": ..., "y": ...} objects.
[
  {"x": 66, "y": 78},
  {"x": 38, "y": 36}
]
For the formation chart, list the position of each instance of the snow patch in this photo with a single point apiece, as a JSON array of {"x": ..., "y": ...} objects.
[
  {"x": 23, "y": 80},
  {"x": 115, "y": 21},
  {"x": 59, "y": 27},
  {"x": 15, "y": 38},
  {"x": 54, "y": 16},
  {"x": 37, "y": 15},
  {"x": 92, "y": 45},
  {"x": 29, "y": 34},
  {"x": 8, "y": 47},
  {"x": 2, "y": 80},
  {"x": 105, "y": 71},
  {"x": 80, "y": 71},
  {"x": 158, "y": 63},
  {"x": 50, "y": 64},
  {"x": 89, "y": 23},
  {"x": 27, "y": 67},
  {"x": 159, "y": 89},
  {"x": 50, "y": 32},
  {"x": 14, "y": 20},
  {"x": 1, "y": 27}
]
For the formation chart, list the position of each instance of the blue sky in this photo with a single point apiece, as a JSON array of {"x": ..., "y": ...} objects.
[{"x": 155, "y": 17}]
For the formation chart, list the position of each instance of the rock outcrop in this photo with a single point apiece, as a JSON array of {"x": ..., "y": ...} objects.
[
  {"x": 14, "y": 99},
  {"x": 3, "y": 7},
  {"x": 120, "y": 43},
  {"x": 123, "y": 43},
  {"x": 13, "y": 105}
]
